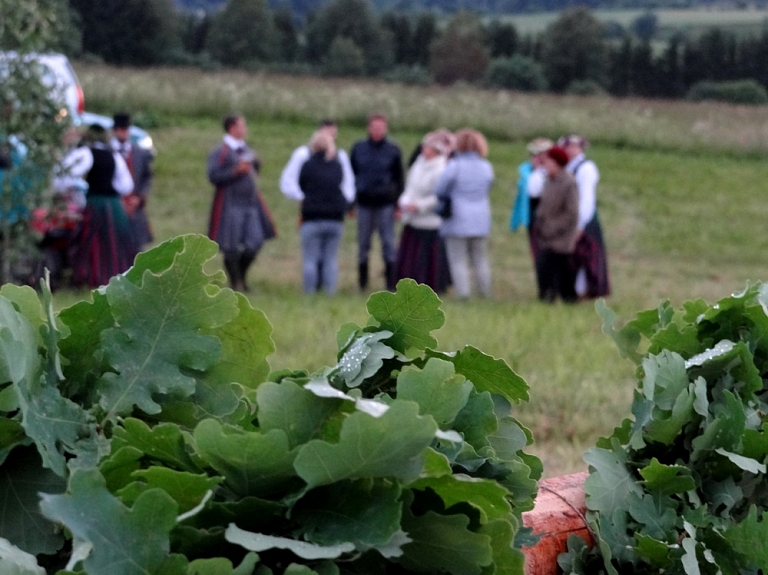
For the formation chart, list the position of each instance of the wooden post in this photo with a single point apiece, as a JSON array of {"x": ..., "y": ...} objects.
[{"x": 559, "y": 512}]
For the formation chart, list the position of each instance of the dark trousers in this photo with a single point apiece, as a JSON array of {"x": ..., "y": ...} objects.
[{"x": 556, "y": 276}]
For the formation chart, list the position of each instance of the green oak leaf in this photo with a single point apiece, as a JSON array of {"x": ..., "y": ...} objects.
[
  {"x": 436, "y": 388},
  {"x": 748, "y": 538},
  {"x": 14, "y": 561},
  {"x": 411, "y": 313},
  {"x": 724, "y": 431},
  {"x": 298, "y": 412},
  {"x": 665, "y": 378},
  {"x": 27, "y": 303},
  {"x": 86, "y": 322},
  {"x": 486, "y": 495},
  {"x": 364, "y": 358},
  {"x": 253, "y": 463},
  {"x": 163, "y": 443},
  {"x": 11, "y": 435},
  {"x": 391, "y": 445},
  {"x": 487, "y": 373},
  {"x": 610, "y": 482},
  {"x": 125, "y": 541},
  {"x": 160, "y": 334},
  {"x": 667, "y": 479},
  {"x": 222, "y": 566},
  {"x": 444, "y": 543},
  {"x": 655, "y": 552},
  {"x": 246, "y": 341},
  {"x": 187, "y": 489},
  {"x": 657, "y": 515},
  {"x": 745, "y": 463},
  {"x": 22, "y": 478},
  {"x": 666, "y": 426},
  {"x": 435, "y": 464},
  {"x": 477, "y": 420},
  {"x": 250, "y": 513},
  {"x": 507, "y": 560},
  {"x": 118, "y": 466},
  {"x": 366, "y": 513},
  {"x": 261, "y": 542}
]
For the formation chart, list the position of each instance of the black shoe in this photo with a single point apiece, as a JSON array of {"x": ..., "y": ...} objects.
[{"x": 362, "y": 275}]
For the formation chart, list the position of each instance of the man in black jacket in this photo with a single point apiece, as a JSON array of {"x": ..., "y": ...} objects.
[{"x": 379, "y": 181}]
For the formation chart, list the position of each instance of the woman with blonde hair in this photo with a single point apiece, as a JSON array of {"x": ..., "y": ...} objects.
[
  {"x": 467, "y": 181},
  {"x": 421, "y": 254},
  {"x": 323, "y": 206}
]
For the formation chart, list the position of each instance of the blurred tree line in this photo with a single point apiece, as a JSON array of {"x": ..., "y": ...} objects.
[{"x": 577, "y": 53}]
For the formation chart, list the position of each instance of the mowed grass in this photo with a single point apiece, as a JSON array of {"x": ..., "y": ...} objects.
[{"x": 678, "y": 225}]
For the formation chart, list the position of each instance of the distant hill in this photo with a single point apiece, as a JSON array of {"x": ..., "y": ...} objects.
[{"x": 302, "y": 7}]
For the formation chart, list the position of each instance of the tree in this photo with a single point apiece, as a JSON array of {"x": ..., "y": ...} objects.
[
  {"x": 643, "y": 77},
  {"x": 288, "y": 36},
  {"x": 135, "y": 32},
  {"x": 355, "y": 20},
  {"x": 501, "y": 38},
  {"x": 31, "y": 126},
  {"x": 645, "y": 26},
  {"x": 517, "y": 73},
  {"x": 619, "y": 65},
  {"x": 402, "y": 37},
  {"x": 424, "y": 32},
  {"x": 459, "y": 53},
  {"x": 344, "y": 59},
  {"x": 244, "y": 31},
  {"x": 574, "y": 49}
]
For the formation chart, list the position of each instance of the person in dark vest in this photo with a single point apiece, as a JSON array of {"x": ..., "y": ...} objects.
[
  {"x": 379, "y": 181},
  {"x": 589, "y": 257},
  {"x": 324, "y": 203},
  {"x": 103, "y": 246},
  {"x": 139, "y": 163},
  {"x": 240, "y": 221}
]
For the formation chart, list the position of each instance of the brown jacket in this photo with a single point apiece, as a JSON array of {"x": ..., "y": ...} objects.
[{"x": 557, "y": 216}]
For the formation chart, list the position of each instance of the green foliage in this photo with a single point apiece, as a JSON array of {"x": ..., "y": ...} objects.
[
  {"x": 737, "y": 92},
  {"x": 459, "y": 52},
  {"x": 135, "y": 32},
  {"x": 516, "y": 73},
  {"x": 344, "y": 58},
  {"x": 682, "y": 487},
  {"x": 574, "y": 49},
  {"x": 355, "y": 20},
  {"x": 32, "y": 125},
  {"x": 243, "y": 31},
  {"x": 142, "y": 433}
]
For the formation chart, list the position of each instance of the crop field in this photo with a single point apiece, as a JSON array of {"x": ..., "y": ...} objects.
[
  {"x": 681, "y": 199},
  {"x": 694, "y": 22}
]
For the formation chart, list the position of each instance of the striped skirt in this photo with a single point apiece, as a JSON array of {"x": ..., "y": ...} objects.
[{"x": 421, "y": 256}]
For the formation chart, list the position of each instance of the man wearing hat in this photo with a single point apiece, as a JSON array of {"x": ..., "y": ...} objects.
[{"x": 139, "y": 163}]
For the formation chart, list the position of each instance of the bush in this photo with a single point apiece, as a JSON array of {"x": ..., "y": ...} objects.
[
  {"x": 414, "y": 75},
  {"x": 344, "y": 58},
  {"x": 584, "y": 88},
  {"x": 516, "y": 73},
  {"x": 749, "y": 92}
]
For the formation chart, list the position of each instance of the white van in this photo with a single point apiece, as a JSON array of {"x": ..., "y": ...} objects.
[{"x": 59, "y": 76}]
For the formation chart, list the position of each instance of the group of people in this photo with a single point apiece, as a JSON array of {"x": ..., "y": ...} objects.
[
  {"x": 443, "y": 202},
  {"x": 557, "y": 202},
  {"x": 108, "y": 180}
]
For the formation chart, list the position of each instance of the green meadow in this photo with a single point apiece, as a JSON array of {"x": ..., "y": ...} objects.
[{"x": 681, "y": 199}]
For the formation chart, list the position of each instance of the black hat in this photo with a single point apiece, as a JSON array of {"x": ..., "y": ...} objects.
[{"x": 121, "y": 120}]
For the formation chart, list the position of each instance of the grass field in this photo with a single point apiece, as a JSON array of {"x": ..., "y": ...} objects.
[{"x": 681, "y": 221}]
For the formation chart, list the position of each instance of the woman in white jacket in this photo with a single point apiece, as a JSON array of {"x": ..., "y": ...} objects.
[{"x": 421, "y": 254}]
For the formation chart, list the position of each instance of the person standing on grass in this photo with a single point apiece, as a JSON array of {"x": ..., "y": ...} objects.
[
  {"x": 289, "y": 178},
  {"x": 103, "y": 245},
  {"x": 421, "y": 254},
  {"x": 324, "y": 202},
  {"x": 556, "y": 229},
  {"x": 589, "y": 257},
  {"x": 240, "y": 221},
  {"x": 530, "y": 183},
  {"x": 139, "y": 163},
  {"x": 379, "y": 180},
  {"x": 467, "y": 181}
]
